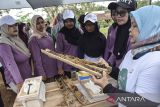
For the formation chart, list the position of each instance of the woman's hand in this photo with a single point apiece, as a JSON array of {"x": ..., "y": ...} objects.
[
  {"x": 44, "y": 78},
  {"x": 102, "y": 61},
  {"x": 102, "y": 82}
]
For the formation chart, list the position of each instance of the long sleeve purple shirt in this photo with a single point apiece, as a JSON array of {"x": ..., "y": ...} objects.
[
  {"x": 16, "y": 64},
  {"x": 109, "y": 55},
  {"x": 43, "y": 65},
  {"x": 62, "y": 46}
]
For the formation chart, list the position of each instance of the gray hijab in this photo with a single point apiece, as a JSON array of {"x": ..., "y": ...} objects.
[{"x": 13, "y": 41}]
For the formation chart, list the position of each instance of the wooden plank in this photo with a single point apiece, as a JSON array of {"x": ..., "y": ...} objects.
[{"x": 71, "y": 63}]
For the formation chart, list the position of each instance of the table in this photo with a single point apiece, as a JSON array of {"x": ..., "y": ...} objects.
[{"x": 54, "y": 98}]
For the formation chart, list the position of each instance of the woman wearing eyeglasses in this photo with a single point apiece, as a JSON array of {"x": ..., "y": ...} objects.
[
  {"x": 118, "y": 41},
  {"x": 14, "y": 55},
  {"x": 40, "y": 39},
  {"x": 138, "y": 75},
  {"x": 111, "y": 31}
]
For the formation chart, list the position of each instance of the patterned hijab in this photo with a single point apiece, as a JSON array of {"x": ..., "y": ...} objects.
[{"x": 147, "y": 19}]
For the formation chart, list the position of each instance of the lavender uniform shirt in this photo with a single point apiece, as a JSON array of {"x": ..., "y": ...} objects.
[
  {"x": 62, "y": 46},
  {"x": 16, "y": 64},
  {"x": 43, "y": 65},
  {"x": 109, "y": 55}
]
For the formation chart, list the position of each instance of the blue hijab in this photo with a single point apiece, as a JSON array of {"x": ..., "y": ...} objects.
[{"x": 148, "y": 21}]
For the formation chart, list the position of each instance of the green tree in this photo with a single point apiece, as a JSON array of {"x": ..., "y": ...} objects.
[
  {"x": 51, "y": 11},
  {"x": 24, "y": 18},
  {"x": 77, "y": 8},
  {"x": 156, "y": 3},
  {"x": 141, "y": 3}
]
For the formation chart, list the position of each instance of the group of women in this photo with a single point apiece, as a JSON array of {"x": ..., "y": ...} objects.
[
  {"x": 18, "y": 52},
  {"x": 138, "y": 71},
  {"x": 131, "y": 48}
]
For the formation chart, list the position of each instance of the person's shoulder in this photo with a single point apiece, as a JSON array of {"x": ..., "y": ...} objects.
[
  {"x": 80, "y": 31},
  {"x": 4, "y": 46},
  {"x": 83, "y": 36},
  {"x": 149, "y": 59},
  {"x": 32, "y": 39},
  {"x": 128, "y": 55},
  {"x": 49, "y": 35},
  {"x": 102, "y": 36},
  {"x": 113, "y": 26},
  {"x": 152, "y": 57},
  {"x": 60, "y": 35}
]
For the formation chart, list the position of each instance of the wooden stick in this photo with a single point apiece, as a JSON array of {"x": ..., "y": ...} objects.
[
  {"x": 56, "y": 89},
  {"x": 97, "y": 68},
  {"x": 81, "y": 61}
]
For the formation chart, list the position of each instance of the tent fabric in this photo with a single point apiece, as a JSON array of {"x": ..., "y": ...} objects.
[
  {"x": 48, "y": 3},
  {"x": 18, "y": 4},
  {"x": 14, "y": 4}
]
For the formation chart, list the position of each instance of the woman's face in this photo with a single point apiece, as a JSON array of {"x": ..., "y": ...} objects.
[
  {"x": 69, "y": 24},
  {"x": 40, "y": 25},
  {"x": 133, "y": 31},
  {"x": 121, "y": 15},
  {"x": 13, "y": 29},
  {"x": 90, "y": 27}
]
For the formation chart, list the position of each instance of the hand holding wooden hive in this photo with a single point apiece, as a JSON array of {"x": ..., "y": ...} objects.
[{"x": 90, "y": 67}]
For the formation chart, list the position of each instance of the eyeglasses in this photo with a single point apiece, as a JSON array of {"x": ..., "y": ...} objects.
[
  {"x": 113, "y": 13},
  {"x": 121, "y": 13}
]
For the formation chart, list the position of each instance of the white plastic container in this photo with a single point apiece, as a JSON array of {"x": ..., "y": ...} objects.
[{"x": 32, "y": 95}]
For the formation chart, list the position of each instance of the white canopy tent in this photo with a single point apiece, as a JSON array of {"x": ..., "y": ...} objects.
[
  {"x": 47, "y": 3},
  {"x": 15, "y": 4}
]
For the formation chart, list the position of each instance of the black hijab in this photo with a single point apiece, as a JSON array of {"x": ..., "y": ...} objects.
[
  {"x": 81, "y": 21},
  {"x": 122, "y": 35},
  {"x": 93, "y": 43},
  {"x": 71, "y": 35}
]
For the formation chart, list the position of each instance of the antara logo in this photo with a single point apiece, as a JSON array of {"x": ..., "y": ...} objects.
[
  {"x": 130, "y": 99},
  {"x": 112, "y": 99}
]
